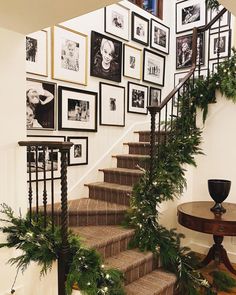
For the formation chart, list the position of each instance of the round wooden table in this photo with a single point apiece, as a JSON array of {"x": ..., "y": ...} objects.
[{"x": 198, "y": 216}]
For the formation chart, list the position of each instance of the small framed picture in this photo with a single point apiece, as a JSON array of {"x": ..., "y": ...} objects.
[
  {"x": 37, "y": 53},
  {"x": 40, "y": 105},
  {"x": 154, "y": 96},
  {"x": 117, "y": 21},
  {"x": 190, "y": 14},
  {"x": 140, "y": 29},
  {"x": 106, "y": 57},
  {"x": 219, "y": 43},
  {"x": 37, "y": 156},
  {"x": 160, "y": 37},
  {"x": 179, "y": 76},
  {"x": 137, "y": 98},
  {"x": 223, "y": 22},
  {"x": 79, "y": 151},
  {"x": 132, "y": 62},
  {"x": 112, "y": 105},
  {"x": 213, "y": 65},
  {"x": 77, "y": 109},
  {"x": 153, "y": 67},
  {"x": 69, "y": 55}
]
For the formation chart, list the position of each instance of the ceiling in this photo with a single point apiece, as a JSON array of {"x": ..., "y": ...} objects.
[
  {"x": 26, "y": 16},
  {"x": 230, "y": 5}
]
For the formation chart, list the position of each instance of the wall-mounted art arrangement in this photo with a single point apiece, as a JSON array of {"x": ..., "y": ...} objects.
[
  {"x": 106, "y": 57},
  {"x": 69, "y": 55},
  {"x": 140, "y": 29},
  {"x": 219, "y": 44},
  {"x": 137, "y": 98},
  {"x": 154, "y": 96},
  {"x": 132, "y": 62},
  {"x": 37, "y": 53},
  {"x": 117, "y": 21},
  {"x": 40, "y": 105},
  {"x": 223, "y": 22},
  {"x": 153, "y": 67},
  {"x": 112, "y": 105},
  {"x": 78, "y": 154},
  {"x": 160, "y": 37},
  {"x": 36, "y": 158},
  {"x": 77, "y": 109},
  {"x": 190, "y": 14}
]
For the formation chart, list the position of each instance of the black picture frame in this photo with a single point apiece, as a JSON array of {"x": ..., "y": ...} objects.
[
  {"x": 137, "y": 98},
  {"x": 78, "y": 154},
  {"x": 224, "y": 47},
  {"x": 154, "y": 96},
  {"x": 100, "y": 44},
  {"x": 224, "y": 20},
  {"x": 139, "y": 29},
  {"x": 77, "y": 109},
  {"x": 160, "y": 37}
]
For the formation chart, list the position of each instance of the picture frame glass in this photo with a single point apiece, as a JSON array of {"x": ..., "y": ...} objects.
[
  {"x": 140, "y": 29},
  {"x": 160, "y": 37},
  {"x": 219, "y": 43},
  {"x": 79, "y": 151},
  {"x": 137, "y": 98},
  {"x": 132, "y": 62}
]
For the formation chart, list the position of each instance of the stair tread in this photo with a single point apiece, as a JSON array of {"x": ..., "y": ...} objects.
[
  {"x": 142, "y": 143},
  {"x": 133, "y": 156},
  {"x": 122, "y": 170},
  {"x": 148, "y": 131},
  {"x": 111, "y": 186},
  {"x": 151, "y": 284}
]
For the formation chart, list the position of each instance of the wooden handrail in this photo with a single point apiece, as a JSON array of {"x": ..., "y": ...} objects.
[{"x": 51, "y": 144}]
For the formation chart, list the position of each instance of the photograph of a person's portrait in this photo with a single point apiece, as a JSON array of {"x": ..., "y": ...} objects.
[
  {"x": 40, "y": 105},
  {"x": 78, "y": 154},
  {"x": 190, "y": 14},
  {"x": 160, "y": 37},
  {"x": 132, "y": 62},
  {"x": 219, "y": 44},
  {"x": 117, "y": 21},
  {"x": 77, "y": 109},
  {"x": 140, "y": 29},
  {"x": 153, "y": 67},
  {"x": 154, "y": 96},
  {"x": 69, "y": 55},
  {"x": 224, "y": 20},
  {"x": 137, "y": 98},
  {"x": 106, "y": 57},
  {"x": 36, "y": 45},
  {"x": 112, "y": 105}
]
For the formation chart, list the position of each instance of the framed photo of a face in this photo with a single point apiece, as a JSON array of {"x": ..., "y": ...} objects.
[
  {"x": 117, "y": 21},
  {"x": 160, "y": 37},
  {"x": 140, "y": 29},
  {"x": 137, "y": 98},
  {"x": 153, "y": 67},
  {"x": 79, "y": 151},
  {"x": 190, "y": 14},
  {"x": 40, "y": 105},
  {"x": 223, "y": 22},
  {"x": 132, "y": 62},
  {"x": 112, "y": 105},
  {"x": 106, "y": 57},
  {"x": 154, "y": 96},
  {"x": 37, "y": 53},
  {"x": 77, "y": 109},
  {"x": 219, "y": 44},
  {"x": 69, "y": 55}
]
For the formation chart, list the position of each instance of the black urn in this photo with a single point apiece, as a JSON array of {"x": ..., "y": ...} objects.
[{"x": 218, "y": 190}]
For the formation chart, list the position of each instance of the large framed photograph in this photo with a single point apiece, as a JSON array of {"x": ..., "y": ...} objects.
[
  {"x": 154, "y": 96},
  {"x": 190, "y": 14},
  {"x": 78, "y": 154},
  {"x": 219, "y": 44},
  {"x": 137, "y": 98},
  {"x": 160, "y": 37},
  {"x": 153, "y": 67},
  {"x": 117, "y": 21},
  {"x": 36, "y": 158},
  {"x": 69, "y": 55},
  {"x": 112, "y": 105},
  {"x": 106, "y": 57},
  {"x": 132, "y": 62},
  {"x": 224, "y": 20},
  {"x": 40, "y": 105},
  {"x": 77, "y": 109},
  {"x": 37, "y": 53},
  {"x": 140, "y": 29}
]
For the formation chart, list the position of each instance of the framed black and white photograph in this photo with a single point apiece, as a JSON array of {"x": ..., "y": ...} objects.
[
  {"x": 132, "y": 62},
  {"x": 213, "y": 65},
  {"x": 219, "y": 44},
  {"x": 190, "y": 14},
  {"x": 78, "y": 154},
  {"x": 137, "y": 98},
  {"x": 154, "y": 96},
  {"x": 153, "y": 67},
  {"x": 69, "y": 55},
  {"x": 37, "y": 53},
  {"x": 36, "y": 158},
  {"x": 112, "y": 105},
  {"x": 179, "y": 76},
  {"x": 224, "y": 20},
  {"x": 117, "y": 21},
  {"x": 160, "y": 37},
  {"x": 106, "y": 57},
  {"x": 140, "y": 29},
  {"x": 77, "y": 109},
  {"x": 40, "y": 105}
]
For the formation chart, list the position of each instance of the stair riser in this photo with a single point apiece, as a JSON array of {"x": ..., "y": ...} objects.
[
  {"x": 111, "y": 196},
  {"x": 121, "y": 178},
  {"x": 139, "y": 149},
  {"x": 132, "y": 163},
  {"x": 145, "y": 137}
]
